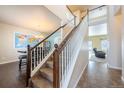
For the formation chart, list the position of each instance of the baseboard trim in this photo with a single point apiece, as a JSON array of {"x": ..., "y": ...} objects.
[
  {"x": 113, "y": 67},
  {"x": 80, "y": 75},
  {"x": 6, "y": 62}
]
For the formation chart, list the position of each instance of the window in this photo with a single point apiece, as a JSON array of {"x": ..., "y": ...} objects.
[
  {"x": 99, "y": 29},
  {"x": 90, "y": 45},
  {"x": 104, "y": 45}
]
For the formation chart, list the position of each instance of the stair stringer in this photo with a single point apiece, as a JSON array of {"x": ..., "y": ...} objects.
[
  {"x": 82, "y": 59},
  {"x": 70, "y": 72}
]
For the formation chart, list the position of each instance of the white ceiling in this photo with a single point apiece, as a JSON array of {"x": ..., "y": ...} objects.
[
  {"x": 61, "y": 11},
  {"x": 96, "y": 16},
  {"x": 79, "y": 7},
  {"x": 32, "y": 17},
  {"x": 36, "y": 17}
]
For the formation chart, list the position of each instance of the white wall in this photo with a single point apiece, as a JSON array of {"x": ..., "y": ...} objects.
[
  {"x": 117, "y": 9},
  {"x": 114, "y": 32},
  {"x": 82, "y": 59},
  {"x": 8, "y": 52},
  {"x": 78, "y": 16},
  {"x": 123, "y": 43},
  {"x": 28, "y": 20}
]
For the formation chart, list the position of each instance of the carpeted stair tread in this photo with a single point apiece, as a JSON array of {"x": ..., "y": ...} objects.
[
  {"x": 49, "y": 64},
  {"x": 40, "y": 82},
  {"x": 47, "y": 73}
]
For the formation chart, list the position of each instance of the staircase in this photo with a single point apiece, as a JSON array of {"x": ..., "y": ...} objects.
[
  {"x": 48, "y": 68},
  {"x": 44, "y": 77}
]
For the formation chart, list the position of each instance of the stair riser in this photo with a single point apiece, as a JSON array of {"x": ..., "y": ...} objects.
[
  {"x": 49, "y": 66},
  {"x": 34, "y": 86},
  {"x": 46, "y": 76}
]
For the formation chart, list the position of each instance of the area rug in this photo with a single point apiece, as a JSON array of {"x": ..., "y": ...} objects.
[{"x": 95, "y": 59}]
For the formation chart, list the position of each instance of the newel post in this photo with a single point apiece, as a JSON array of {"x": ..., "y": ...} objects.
[
  {"x": 28, "y": 73},
  {"x": 56, "y": 82}
]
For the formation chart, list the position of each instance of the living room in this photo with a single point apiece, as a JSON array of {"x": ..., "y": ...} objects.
[{"x": 98, "y": 35}]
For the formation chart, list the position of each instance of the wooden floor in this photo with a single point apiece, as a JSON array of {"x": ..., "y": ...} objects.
[
  {"x": 11, "y": 77},
  {"x": 97, "y": 75}
]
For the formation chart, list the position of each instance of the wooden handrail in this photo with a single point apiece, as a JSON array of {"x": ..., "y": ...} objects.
[
  {"x": 72, "y": 14},
  {"x": 51, "y": 34},
  {"x": 96, "y": 8},
  {"x": 70, "y": 10},
  {"x": 56, "y": 29},
  {"x": 48, "y": 36},
  {"x": 60, "y": 47},
  {"x": 56, "y": 64},
  {"x": 58, "y": 50}
]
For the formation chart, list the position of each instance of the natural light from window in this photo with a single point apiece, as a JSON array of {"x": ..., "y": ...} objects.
[{"x": 100, "y": 29}]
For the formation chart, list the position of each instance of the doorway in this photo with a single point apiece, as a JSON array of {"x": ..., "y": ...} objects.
[{"x": 98, "y": 35}]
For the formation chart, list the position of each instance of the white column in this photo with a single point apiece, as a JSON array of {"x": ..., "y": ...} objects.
[
  {"x": 114, "y": 35},
  {"x": 122, "y": 43}
]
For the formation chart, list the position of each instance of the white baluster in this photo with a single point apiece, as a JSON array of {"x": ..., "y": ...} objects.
[
  {"x": 62, "y": 65},
  {"x": 37, "y": 57},
  {"x": 39, "y": 54},
  {"x": 31, "y": 60},
  {"x": 34, "y": 58}
]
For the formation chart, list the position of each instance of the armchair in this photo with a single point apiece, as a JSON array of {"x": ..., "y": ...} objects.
[{"x": 99, "y": 54}]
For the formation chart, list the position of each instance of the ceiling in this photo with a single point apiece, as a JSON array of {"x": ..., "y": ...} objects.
[
  {"x": 82, "y": 8},
  {"x": 34, "y": 17},
  {"x": 65, "y": 14}
]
